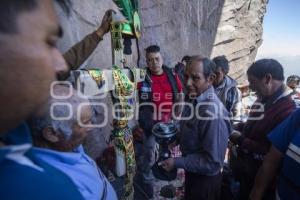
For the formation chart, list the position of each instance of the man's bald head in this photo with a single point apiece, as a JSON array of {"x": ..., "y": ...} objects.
[{"x": 64, "y": 114}]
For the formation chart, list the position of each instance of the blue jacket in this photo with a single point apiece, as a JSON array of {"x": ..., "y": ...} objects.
[
  {"x": 84, "y": 172},
  {"x": 286, "y": 139},
  {"x": 26, "y": 177}
]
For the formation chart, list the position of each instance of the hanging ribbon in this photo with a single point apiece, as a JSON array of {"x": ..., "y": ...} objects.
[{"x": 123, "y": 140}]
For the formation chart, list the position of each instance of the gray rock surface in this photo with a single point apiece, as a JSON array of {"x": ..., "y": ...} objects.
[
  {"x": 180, "y": 27},
  {"x": 239, "y": 34}
]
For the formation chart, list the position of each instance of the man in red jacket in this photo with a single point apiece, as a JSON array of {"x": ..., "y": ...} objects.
[{"x": 157, "y": 95}]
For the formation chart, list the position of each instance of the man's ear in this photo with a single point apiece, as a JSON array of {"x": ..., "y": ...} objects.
[
  {"x": 225, "y": 72},
  {"x": 212, "y": 78},
  {"x": 268, "y": 78},
  {"x": 50, "y": 135}
]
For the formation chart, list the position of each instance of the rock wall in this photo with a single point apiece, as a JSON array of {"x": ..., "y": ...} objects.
[
  {"x": 239, "y": 34},
  {"x": 84, "y": 18},
  {"x": 180, "y": 27},
  {"x": 208, "y": 27}
]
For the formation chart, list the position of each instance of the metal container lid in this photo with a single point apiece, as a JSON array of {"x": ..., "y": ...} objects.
[{"x": 164, "y": 130}]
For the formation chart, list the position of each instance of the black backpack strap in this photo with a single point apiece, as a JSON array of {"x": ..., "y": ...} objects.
[
  {"x": 173, "y": 82},
  {"x": 147, "y": 83}
]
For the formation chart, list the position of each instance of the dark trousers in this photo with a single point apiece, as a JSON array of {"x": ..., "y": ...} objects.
[
  {"x": 198, "y": 187},
  {"x": 246, "y": 185},
  {"x": 245, "y": 170}
]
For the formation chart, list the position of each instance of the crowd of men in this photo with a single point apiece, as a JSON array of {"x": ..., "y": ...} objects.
[{"x": 41, "y": 156}]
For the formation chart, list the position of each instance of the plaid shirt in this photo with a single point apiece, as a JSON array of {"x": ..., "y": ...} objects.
[{"x": 229, "y": 94}]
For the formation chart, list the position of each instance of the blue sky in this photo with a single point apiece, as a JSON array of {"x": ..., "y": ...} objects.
[
  {"x": 281, "y": 28},
  {"x": 281, "y": 36}
]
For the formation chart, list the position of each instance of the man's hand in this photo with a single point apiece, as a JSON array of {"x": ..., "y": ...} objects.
[
  {"x": 105, "y": 24},
  {"x": 172, "y": 145},
  {"x": 168, "y": 164},
  {"x": 234, "y": 137}
]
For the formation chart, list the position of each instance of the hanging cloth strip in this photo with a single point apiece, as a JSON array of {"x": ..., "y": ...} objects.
[
  {"x": 97, "y": 75},
  {"x": 123, "y": 140}
]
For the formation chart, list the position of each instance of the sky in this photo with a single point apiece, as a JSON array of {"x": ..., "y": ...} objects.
[{"x": 281, "y": 36}]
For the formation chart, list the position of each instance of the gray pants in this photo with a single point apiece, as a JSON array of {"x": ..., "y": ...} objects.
[
  {"x": 146, "y": 156},
  {"x": 149, "y": 157}
]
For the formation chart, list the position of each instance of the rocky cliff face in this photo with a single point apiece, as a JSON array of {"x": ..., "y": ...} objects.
[
  {"x": 239, "y": 34},
  {"x": 180, "y": 27},
  {"x": 208, "y": 27}
]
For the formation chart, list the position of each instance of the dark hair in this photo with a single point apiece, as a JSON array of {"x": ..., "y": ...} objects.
[
  {"x": 266, "y": 66},
  {"x": 222, "y": 62},
  {"x": 186, "y": 58},
  {"x": 178, "y": 67},
  {"x": 10, "y": 9},
  {"x": 153, "y": 49},
  {"x": 208, "y": 65},
  {"x": 293, "y": 78}
]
